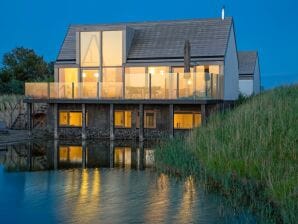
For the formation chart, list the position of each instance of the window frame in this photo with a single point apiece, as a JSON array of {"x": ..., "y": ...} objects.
[
  {"x": 68, "y": 117},
  {"x": 193, "y": 119},
  {"x": 123, "y": 126}
]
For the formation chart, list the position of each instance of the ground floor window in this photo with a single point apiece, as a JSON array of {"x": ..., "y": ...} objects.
[
  {"x": 184, "y": 120},
  {"x": 70, "y": 118},
  {"x": 150, "y": 119},
  {"x": 122, "y": 119}
]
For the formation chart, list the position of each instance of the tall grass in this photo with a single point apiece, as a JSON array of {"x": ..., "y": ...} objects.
[
  {"x": 10, "y": 107},
  {"x": 255, "y": 146}
]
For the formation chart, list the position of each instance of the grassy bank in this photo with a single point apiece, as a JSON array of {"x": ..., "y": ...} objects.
[{"x": 250, "y": 152}]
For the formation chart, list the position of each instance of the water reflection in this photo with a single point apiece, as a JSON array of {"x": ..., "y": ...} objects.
[{"x": 64, "y": 155}]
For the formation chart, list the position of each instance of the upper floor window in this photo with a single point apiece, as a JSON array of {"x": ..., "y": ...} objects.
[
  {"x": 90, "y": 49},
  {"x": 112, "y": 48}
]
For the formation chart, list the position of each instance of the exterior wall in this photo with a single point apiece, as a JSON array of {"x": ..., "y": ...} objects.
[
  {"x": 246, "y": 87},
  {"x": 231, "y": 72},
  {"x": 257, "y": 78},
  {"x": 98, "y": 121}
]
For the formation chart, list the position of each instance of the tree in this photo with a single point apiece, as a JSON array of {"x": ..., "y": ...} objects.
[{"x": 22, "y": 65}]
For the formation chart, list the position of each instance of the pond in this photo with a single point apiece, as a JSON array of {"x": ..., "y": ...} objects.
[{"x": 100, "y": 182}]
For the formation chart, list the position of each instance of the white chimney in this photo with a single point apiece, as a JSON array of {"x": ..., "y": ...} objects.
[{"x": 223, "y": 13}]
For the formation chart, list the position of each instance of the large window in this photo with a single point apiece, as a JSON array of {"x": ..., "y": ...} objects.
[
  {"x": 112, "y": 48},
  {"x": 122, "y": 119},
  {"x": 186, "y": 120},
  {"x": 70, "y": 118},
  {"x": 159, "y": 80},
  {"x": 136, "y": 83},
  {"x": 90, "y": 49},
  {"x": 186, "y": 81},
  {"x": 112, "y": 82},
  {"x": 68, "y": 75},
  {"x": 89, "y": 83}
]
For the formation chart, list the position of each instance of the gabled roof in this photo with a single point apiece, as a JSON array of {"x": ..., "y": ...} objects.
[
  {"x": 247, "y": 62},
  {"x": 163, "y": 39}
]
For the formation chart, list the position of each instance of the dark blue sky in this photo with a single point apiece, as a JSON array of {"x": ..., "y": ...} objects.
[{"x": 271, "y": 27}]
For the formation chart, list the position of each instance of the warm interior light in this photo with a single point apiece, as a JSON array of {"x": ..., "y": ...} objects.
[
  {"x": 84, "y": 75},
  {"x": 151, "y": 71},
  {"x": 96, "y": 75},
  {"x": 162, "y": 72},
  {"x": 189, "y": 82}
]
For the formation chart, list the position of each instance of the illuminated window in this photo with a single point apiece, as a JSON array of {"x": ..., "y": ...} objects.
[
  {"x": 72, "y": 154},
  {"x": 136, "y": 83},
  {"x": 122, "y": 157},
  {"x": 122, "y": 119},
  {"x": 187, "y": 120},
  {"x": 159, "y": 75},
  {"x": 90, "y": 49},
  {"x": 71, "y": 118},
  {"x": 90, "y": 77},
  {"x": 186, "y": 81},
  {"x": 112, "y": 82},
  {"x": 112, "y": 48},
  {"x": 68, "y": 75},
  {"x": 150, "y": 119}
]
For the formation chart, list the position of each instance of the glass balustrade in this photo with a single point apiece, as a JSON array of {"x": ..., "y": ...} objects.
[{"x": 161, "y": 86}]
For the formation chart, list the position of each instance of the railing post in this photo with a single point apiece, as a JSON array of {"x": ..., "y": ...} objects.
[{"x": 150, "y": 86}]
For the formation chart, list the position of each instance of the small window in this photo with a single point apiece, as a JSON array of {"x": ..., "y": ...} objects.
[
  {"x": 71, "y": 118},
  {"x": 149, "y": 119},
  {"x": 186, "y": 120},
  {"x": 122, "y": 119}
]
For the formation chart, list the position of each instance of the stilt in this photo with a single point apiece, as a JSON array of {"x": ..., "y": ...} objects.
[
  {"x": 56, "y": 151},
  {"x": 112, "y": 134},
  {"x": 29, "y": 119},
  {"x": 141, "y": 122},
  {"x": 203, "y": 113},
  {"x": 84, "y": 136},
  {"x": 141, "y": 156},
  {"x": 111, "y": 154},
  {"x": 84, "y": 154},
  {"x": 55, "y": 120},
  {"x": 171, "y": 120}
]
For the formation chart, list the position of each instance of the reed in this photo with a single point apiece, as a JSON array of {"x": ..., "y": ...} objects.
[{"x": 251, "y": 151}]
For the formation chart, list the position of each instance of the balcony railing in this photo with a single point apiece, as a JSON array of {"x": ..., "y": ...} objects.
[{"x": 135, "y": 86}]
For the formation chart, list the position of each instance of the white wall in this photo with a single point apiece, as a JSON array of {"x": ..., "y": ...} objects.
[
  {"x": 246, "y": 86},
  {"x": 231, "y": 71},
  {"x": 257, "y": 79}
]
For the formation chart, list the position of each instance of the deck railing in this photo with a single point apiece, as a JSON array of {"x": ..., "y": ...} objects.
[{"x": 135, "y": 86}]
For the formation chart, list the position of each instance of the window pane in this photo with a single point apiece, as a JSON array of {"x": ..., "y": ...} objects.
[
  {"x": 197, "y": 120},
  {"x": 186, "y": 81},
  {"x": 89, "y": 85},
  {"x": 112, "y": 48},
  {"x": 183, "y": 121},
  {"x": 119, "y": 119},
  {"x": 136, "y": 83},
  {"x": 63, "y": 118},
  {"x": 149, "y": 120},
  {"x": 90, "y": 48},
  {"x": 127, "y": 119},
  {"x": 159, "y": 75},
  {"x": 75, "y": 119},
  {"x": 112, "y": 83},
  {"x": 68, "y": 75}
]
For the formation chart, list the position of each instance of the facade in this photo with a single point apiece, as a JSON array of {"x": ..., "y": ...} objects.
[
  {"x": 249, "y": 73},
  {"x": 128, "y": 80}
]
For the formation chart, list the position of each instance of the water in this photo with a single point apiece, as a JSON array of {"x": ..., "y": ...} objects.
[{"x": 100, "y": 182}]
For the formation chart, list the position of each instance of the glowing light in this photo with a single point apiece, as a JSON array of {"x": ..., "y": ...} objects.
[
  {"x": 96, "y": 75},
  {"x": 84, "y": 75},
  {"x": 189, "y": 82}
]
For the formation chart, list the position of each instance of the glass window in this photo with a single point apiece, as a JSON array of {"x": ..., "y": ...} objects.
[
  {"x": 112, "y": 83},
  {"x": 186, "y": 81},
  {"x": 159, "y": 77},
  {"x": 68, "y": 75},
  {"x": 186, "y": 120},
  {"x": 149, "y": 119},
  {"x": 136, "y": 83},
  {"x": 71, "y": 118},
  {"x": 122, "y": 119},
  {"x": 90, "y": 49},
  {"x": 112, "y": 48},
  {"x": 90, "y": 77}
]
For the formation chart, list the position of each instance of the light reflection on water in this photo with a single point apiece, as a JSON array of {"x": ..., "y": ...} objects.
[{"x": 118, "y": 186}]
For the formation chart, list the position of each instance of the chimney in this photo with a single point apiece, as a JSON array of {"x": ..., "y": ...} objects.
[{"x": 223, "y": 13}]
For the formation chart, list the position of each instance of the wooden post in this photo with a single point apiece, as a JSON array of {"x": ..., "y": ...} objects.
[
  {"x": 55, "y": 120},
  {"x": 112, "y": 134},
  {"x": 140, "y": 158},
  {"x": 29, "y": 118},
  {"x": 111, "y": 154},
  {"x": 203, "y": 113},
  {"x": 56, "y": 153},
  {"x": 84, "y": 154},
  {"x": 171, "y": 120},
  {"x": 141, "y": 122},
  {"x": 84, "y": 136}
]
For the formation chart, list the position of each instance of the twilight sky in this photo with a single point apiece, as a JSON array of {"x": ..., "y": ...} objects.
[{"x": 271, "y": 27}]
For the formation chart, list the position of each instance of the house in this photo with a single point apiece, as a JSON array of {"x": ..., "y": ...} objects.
[
  {"x": 128, "y": 80},
  {"x": 249, "y": 73}
]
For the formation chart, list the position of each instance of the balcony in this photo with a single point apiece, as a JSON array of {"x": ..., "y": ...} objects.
[{"x": 170, "y": 86}]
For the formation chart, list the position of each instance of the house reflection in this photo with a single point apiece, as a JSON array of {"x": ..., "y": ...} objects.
[{"x": 67, "y": 155}]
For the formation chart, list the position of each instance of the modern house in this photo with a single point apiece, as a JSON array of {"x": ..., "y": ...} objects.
[
  {"x": 249, "y": 73},
  {"x": 130, "y": 80}
]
